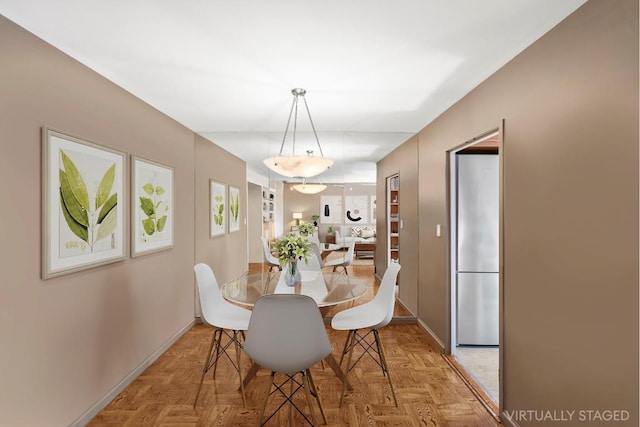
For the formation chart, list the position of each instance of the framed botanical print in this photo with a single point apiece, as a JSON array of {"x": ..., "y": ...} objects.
[
  {"x": 217, "y": 208},
  {"x": 234, "y": 209},
  {"x": 152, "y": 201},
  {"x": 83, "y": 204}
]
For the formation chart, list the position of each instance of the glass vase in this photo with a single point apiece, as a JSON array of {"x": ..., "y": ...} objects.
[{"x": 291, "y": 273}]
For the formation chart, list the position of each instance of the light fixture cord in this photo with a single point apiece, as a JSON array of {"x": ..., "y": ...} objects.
[
  {"x": 294, "y": 104},
  {"x": 286, "y": 130},
  {"x": 312, "y": 126},
  {"x": 295, "y": 123}
]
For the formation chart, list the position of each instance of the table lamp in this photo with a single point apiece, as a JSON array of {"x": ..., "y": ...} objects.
[{"x": 297, "y": 216}]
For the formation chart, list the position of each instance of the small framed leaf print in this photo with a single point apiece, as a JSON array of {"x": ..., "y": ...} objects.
[
  {"x": 234, "y": 209},
  {"x": 152, "y": 202},
  {"x": 83, "y": 204},
  {"x": 217, "y": 208}
]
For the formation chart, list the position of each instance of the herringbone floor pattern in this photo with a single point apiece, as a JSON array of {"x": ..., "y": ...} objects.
[{"x": 429, "y": 392}]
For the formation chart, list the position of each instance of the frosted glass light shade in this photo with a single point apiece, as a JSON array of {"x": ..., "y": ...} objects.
[
  {"x": 298, "y": 166},
  {"x": 309, "y": 188}
]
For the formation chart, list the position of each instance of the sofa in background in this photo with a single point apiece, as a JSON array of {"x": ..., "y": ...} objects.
[{"x": 364, "y": 237}]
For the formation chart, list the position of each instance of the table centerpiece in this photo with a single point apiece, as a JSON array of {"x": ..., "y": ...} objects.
[{"x": 290, "y": 249}]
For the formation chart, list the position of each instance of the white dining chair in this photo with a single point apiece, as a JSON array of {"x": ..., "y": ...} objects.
[
  {"x": 343, "y": 262},
  {"x": 268, "y": 257},
  {"x": 316, "y": 251},
  {"x": 311, "y": 264},
  {"x": 287, "y": 336},
  {"x": 371, "y": 316},
  {"x": 313, "y": 238},
  {"x": 224, "y": 317}
]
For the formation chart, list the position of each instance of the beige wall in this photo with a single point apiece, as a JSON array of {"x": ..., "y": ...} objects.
[
  {"x": 68, "y": 341},
  {"x": 570, "y": 273},
  {"x": 403, "y": 161},
  {"x": 227, "y": 253}
]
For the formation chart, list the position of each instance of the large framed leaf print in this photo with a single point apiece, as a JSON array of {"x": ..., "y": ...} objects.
[
  {"x": 217, "y": 208},
  {"x": 152, "y": 201},
  {"x": 83, "y": 206},
  {"x": 234, "y": 209}
]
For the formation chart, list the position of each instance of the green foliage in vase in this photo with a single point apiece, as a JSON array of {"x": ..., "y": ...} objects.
[
  {"x": 292, "y": 247},
  {"x": 154, "y": 208},
  {"x": 306, "y": 229},
  {"x": 89, "y": 222},
  {"x": 218, "y": 210},
  {"x": 234, "y": 207}
]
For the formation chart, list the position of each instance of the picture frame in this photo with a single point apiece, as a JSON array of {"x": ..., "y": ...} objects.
[
  {"x": 356, "y": 209},
  {"x": 152, "y": 206},
  {"x": 331, "y": 210},
  {"x": 234, "y": 209},
  {"x": 84, "y": 200},
  {"x": 372, "y": 209},
  {"x": 217, "y": 208}
]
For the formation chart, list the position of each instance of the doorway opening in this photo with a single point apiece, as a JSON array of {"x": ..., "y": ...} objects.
[{"x": 474, "y": 192}]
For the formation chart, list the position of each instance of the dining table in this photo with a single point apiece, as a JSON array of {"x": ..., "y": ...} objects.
[{"x": 327, "y": 289}]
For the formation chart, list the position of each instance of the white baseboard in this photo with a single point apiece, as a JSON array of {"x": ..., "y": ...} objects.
[{"x": 90, "y": 413}]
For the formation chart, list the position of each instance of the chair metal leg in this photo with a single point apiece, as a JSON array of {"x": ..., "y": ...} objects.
[
  {"x": 306, "y": 383},
  {"x": 383, "y": 364},
  {"x": 367, "y": 345}
]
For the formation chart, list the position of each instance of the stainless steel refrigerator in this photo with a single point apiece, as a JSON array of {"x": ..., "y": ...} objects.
[{"x": 477, "y": 211}]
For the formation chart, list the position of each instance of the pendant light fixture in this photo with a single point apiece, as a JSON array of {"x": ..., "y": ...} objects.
[
  {"x": 309, "y": 188},
  {"x": 303, "y": 166}
]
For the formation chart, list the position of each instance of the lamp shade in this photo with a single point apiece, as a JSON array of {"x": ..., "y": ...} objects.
[
  {"x": 297, "y": 215},
  {"x": 309, "y": 188},
  {"x": 298, "y": 166}
]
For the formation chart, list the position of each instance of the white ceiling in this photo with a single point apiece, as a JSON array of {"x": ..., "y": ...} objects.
[{"x": 375, "y": 71}]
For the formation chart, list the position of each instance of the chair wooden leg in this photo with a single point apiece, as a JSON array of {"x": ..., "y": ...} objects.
[
  {"x": 205, "y": 368},
  {"x": 383, "y": 364},
  {"x": 352, "y": 334},
  {"x": 314, "y": 393},
  {"x": 216, "y": 349},
  {"x": 307, "y": 392},
  {"x": 237, "y": 345},
  {"x": 266, "y": 399},
  {"x": 219, "y": 349},
  {"x": 344, "y": 350}
]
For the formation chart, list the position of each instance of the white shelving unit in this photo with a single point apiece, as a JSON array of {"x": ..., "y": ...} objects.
[{"x": 268, "y": 212}]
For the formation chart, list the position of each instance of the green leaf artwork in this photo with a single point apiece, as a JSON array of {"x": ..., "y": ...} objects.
[
  {"x": 90, "y": 223},
  {"x": 155, "y": 208},
  {"x": 218, "y": 210},
  {"x": 234, "y": 207}
]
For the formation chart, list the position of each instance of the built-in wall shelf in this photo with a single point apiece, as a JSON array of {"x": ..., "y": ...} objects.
[
  {"x": 268, "y": 204},
  {"x": 393, "y": 218}
]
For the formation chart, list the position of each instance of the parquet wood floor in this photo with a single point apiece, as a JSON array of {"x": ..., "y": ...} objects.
[{"x": 429, "y": 392}]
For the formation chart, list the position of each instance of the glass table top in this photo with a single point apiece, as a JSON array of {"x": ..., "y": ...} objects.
[{"x": 326, "y": 288}]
